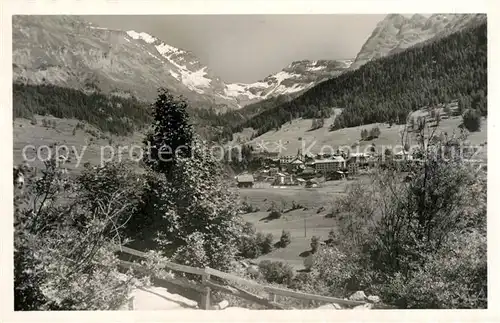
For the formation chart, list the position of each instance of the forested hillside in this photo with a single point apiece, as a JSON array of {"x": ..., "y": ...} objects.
[
  {"x": 387, "y": 89},
  {"x": 109, "y": 113}
]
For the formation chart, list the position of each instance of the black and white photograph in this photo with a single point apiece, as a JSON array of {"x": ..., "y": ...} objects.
[{"x": 238, "y": 162}]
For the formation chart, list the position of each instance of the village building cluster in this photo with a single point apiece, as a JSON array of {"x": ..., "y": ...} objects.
[{"x": 305, "y": 169}]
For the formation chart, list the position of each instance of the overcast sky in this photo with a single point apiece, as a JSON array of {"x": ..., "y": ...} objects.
[{"x": 248, "y": 48}]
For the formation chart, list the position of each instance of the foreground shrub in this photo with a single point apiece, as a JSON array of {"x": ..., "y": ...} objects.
[
  {"x": 417, "y": 241},
  {"x": 339, "y": 271},
  {"x": 248, "y": 247},
  {"x": 252, "y": 245},
  {"x": 276, "y": 272},
  {"x": 65, "y": 230},
  {"x": 455, "y": 277}
]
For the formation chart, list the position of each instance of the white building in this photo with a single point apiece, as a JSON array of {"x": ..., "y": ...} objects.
[{"x": 331, "y": 164}]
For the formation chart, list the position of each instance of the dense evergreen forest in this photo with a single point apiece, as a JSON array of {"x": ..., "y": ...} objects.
[
  {"x": 226, "y": 121},
  {"x": 111, "y": 114},
  {"x": 387, "y": 89}
]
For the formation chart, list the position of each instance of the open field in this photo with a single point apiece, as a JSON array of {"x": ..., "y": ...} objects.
[
  {"x": 297, "y": 135},
  {"x": 311, "y": 198},
  {"x": 316, "y": 225},
  {"x": 315, "y": 222},
  {"x": 64, "y": 133}
]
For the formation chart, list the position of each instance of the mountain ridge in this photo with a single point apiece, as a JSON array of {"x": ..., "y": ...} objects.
[
  {"x": 396, "y": 33},
  {"x": 69, "y": 51}
]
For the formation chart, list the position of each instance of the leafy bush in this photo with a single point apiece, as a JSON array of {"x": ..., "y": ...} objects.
[
  {"x": 314, "y": 244},
  {"x": 276, "y": 272},
  {"x": 248, "y": 228},
  {"x": 274, "y": 214},
  {"x": 403, "y": 240},
  {"x": 296, "y": 206},
  {"x": 472, "y": 120},
  {"x": 252, "y": 245},
  {"x": 249, "y": 246},
  {"x": 364, "y": 134},
  {"x": 285, "y": 239},
  {"x": 88, "y": 214},
  {"x": 375, "y": 132},
  {"x": 265, "y": 242},
  {"x": 455, "y": 277},
  {"x": 248, "y": 208},
  {"x": 317, "y": 123},
  {"x": 340, "y": 272},
  {"x": 193, "y": 253}
]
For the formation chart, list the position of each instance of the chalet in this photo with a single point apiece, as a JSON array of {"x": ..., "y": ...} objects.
[
  {"x": 280, "y": 179},
  {"x": 266, "y": 155},
  {"x": 287, "y": 159},
  {"x": 360, "y": 158},
  {"x": 245, "y": 180},
  {"x": 285, "y": 179},
  {"x": 332, "y": 164},
  {"x": 308, "y": 157},
  {"x": 295, "y": 165},
  {"x": 308, "y": 172}
]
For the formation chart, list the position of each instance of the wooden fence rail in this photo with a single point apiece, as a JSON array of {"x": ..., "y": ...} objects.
[{"x": 207, "y": 284}]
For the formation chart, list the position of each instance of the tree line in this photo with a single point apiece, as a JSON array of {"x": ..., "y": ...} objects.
[{"x": 109, "y": 113}]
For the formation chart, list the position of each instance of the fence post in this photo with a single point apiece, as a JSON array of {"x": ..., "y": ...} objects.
[
  {"x": 272, "y": 297},
  {"x": 205, "y": 296},
  {"x": 131, "y": 303}
]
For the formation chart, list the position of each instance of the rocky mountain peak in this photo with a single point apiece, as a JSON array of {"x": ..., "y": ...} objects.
[{"x": 397, "y": 32}]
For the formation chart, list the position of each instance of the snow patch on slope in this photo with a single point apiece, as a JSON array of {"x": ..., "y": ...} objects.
[
  {"x": 281, "y": 76},
  {"x": 144, "y": 36},
  {"x": 236, "y": 89},
  {"x": 316, "y": 68},
  {"x": 195, "y": 81},
  {"x": 175, "y": 75},
  {"x": 100, "y": 28},
  {"x": 166, "y": 48}
]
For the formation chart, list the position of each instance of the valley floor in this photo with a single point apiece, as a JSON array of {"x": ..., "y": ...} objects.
[{"x": 317, "y": 201}]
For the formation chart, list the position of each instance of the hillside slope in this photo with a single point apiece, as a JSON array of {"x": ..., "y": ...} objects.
[
  {"x": 386, "y": 90},
  {"x": 396, "y": 33}
]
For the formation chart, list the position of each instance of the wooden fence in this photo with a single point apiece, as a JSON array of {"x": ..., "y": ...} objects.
[{"x": 207, "y": 284}]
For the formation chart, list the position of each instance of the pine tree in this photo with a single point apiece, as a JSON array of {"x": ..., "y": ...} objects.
[
  {"x": 171, "y": 134},
  {"x": 194, "y": 212}
]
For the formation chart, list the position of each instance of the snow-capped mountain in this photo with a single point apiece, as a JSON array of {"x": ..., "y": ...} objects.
[
  {"x": 71, "y": 52},
  {"x": 296, "y": 77},
  {"x": 68, "y": 51},
  {"x": 397, "y": 32}
]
